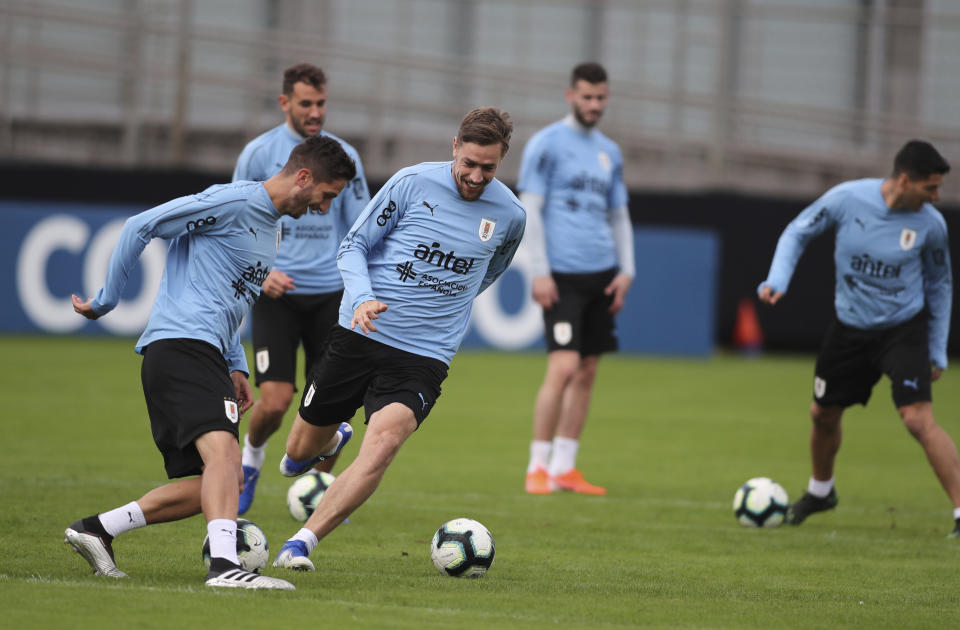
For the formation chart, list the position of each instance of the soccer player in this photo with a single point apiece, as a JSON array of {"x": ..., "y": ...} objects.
[
  {"x": 892, "y": 299},
  {"x": 581, "y": 242},
  {"x": 223, "y": 242},
  {"x": 301, "y": 294},
  {"x": 435, "y": 236}
]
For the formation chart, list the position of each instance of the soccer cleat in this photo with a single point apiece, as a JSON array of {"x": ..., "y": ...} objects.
[
  {"x": 293, "y": 555},
  {"x": 250, "y": 477},
  {"x": 94, "y": 548},
  {"x": 956, "y": 530},
  {"x": 809, "y": 504},
  {"x": 292, "y": 468},
  {"x": 573, "y": 481},
  {"x": 238, "y": 578},
  {"x": 538, "y": 482}
]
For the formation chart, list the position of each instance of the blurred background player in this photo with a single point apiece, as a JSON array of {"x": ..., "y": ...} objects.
[
  {"x": 434, "y": 237},
  {"x": 580, "y": 239},
  {"x": 892, "y": 299},
  {"x": 301, "y": 295},
  {"x": 223, "y": 242}
]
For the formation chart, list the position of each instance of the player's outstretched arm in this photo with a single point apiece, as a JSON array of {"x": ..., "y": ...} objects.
[
  {"x": 364, "y": 315},
  {"x": 83, "y": 308}
]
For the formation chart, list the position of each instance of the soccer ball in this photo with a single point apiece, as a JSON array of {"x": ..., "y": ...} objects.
[
  {"x": 305, "y": 493},
  {"x": 252, "y": 549},
  {"x": 462, "y": 548},
  {"x": 760, "y": 502}
]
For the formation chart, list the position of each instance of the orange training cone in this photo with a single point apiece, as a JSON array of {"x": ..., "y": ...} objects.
[{"x": 747, "y": 334}]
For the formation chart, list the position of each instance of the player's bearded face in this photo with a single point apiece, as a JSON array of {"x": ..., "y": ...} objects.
[
  {"x": 588, "y": 101},
  {"x": 306, "y": 108},
  {"x": 474, "y": 166},
  {"x": 316, "y": 196},
  {"x": 921, "y": 191}
]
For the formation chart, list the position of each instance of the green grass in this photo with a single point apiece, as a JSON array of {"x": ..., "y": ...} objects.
[{"x": 671, "y": 439}]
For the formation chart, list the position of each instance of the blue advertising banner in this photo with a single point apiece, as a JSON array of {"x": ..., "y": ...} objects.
[{"x": 56, "y": 249}]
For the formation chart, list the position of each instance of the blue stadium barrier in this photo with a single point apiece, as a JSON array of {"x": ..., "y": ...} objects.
[{"x": 54, "y": 249}]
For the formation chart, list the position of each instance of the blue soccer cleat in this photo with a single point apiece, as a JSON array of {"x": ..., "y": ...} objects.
[
  {"x": 250, "y": 477},
  {"x": 293, "y": 468},
  {"x": 293, "y": 555}
]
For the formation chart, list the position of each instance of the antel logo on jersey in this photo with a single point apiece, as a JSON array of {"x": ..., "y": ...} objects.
[
  {"x": 445, "y": 260},
  {"x": 386, "y": 213},
  {"x": 199, "y": 223},
  {"x": 875, "y": 268}
]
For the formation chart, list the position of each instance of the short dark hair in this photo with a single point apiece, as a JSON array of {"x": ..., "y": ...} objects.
[
  {"x": 324, "y": 157},
  {"x": 590, "y": 71},
  {"x": 486, "y": 126},
  {"x": 303, "y": 73},
  {"x": 919, "y": 160}
]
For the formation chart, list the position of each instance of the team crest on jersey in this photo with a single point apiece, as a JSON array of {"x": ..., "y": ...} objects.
[
  {"x": 819, "y": 387},
  {"x": 230, "y": 408},
  {"x": 908, "y": 239},
  {"x": 309, "y": 397},
  {"x": 605, "y": 162},
  {"x": 562, "y": 333},
  {"x": 486, "y": 228},
  {"x": 263, "y": 360}
]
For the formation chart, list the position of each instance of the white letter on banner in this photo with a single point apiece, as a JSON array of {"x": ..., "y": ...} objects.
[
  {"x": 48, "y": 312},
  {"x": 504, "y": 330},
  {"x": 130, "y": 316}
]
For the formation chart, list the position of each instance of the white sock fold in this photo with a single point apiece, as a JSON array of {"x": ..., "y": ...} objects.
[
  {"x": 820, "y": 488},
  {"x": 253, "y": 456},
  {"x": 539, "y": 455},
  {"x": 306, "y": 537},
  {"x": 123, "y": 519},
  {"x": 223, "y": 539},
  {"x": 564, "y": 455},
  {"x": 956, "y": 513}
]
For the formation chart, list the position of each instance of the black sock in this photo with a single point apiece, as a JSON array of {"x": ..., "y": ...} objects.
[{"x": 93, "y": 525}]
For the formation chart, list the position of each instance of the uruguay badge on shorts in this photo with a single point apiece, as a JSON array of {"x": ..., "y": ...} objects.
[
  {"x": 819, "y": 387},
  {"x": 562, "y": 333},
  {"x": 908, "y": 239},
  {"x": 230, "y": 407},
  {"x": 486, "y": 228},
  {"x": 263, "y": 360}
]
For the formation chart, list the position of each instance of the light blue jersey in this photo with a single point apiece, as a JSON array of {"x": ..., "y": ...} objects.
[
  {"x": 579, "y": 174},
  {"x": 425, "y": 252},
  {"x": 223, "y": 242},
  {"x": 889, "y": 263},
  {"x": 308, "y": 248}
]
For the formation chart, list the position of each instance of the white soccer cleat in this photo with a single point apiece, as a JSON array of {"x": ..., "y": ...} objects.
[
  {"x": 94, "y": 549},
  {"x": 238, "y": 578}
]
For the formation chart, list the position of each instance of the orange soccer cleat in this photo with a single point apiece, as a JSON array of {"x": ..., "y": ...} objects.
[
  {"x": 573, "y": 480},
  {"x": 538, "y": 482}
]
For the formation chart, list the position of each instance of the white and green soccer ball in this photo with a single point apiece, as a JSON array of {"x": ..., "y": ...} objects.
[
  {"x": 305, "y": 493},
  {"x": 252, "y": 549},
  {"x": 462, "y": 548},
  {"x": 760, "y": 502}
]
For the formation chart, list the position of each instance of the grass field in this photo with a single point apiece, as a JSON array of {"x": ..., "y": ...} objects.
[{"x": 671, "y": 439}]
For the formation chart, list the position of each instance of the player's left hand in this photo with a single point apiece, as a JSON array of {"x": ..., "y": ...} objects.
[
  {"x": 83, "y": 308},
  {"x": 618, "y": 288},
  {"x": 935, "y": 373},
  {"x": 364, "y": 315},
  {"x": 243, "y": 389}
]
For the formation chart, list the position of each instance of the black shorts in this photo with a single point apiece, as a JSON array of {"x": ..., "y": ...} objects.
[
  {"x": 852, "y": 360},
  {"x": 356, "y": 370},
  {"x": 581, "y": 319},
  {"x": 281, "y": 324},
  {"x": 187, "y": 386}
]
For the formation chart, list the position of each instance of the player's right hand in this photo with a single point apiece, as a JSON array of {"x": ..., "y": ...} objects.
[
  {"x": 768, "y": 296},
  {"x": 364, "y": 315},
  {"x": 277, "y": 283},
  {"x": 83, "y": 308},
  {"x": 545, "y": 292}
]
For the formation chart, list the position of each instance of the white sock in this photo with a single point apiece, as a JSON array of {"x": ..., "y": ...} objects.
[
  {"x": 306, "y": 537},
  {"x": 253, "y": 456},
  {"x": 820, "y": 488},
  {"x": 123, "y": 519},
  {"x": 956, "y": 513},
  {"x": 539, "y": 455},
  {"x": 564, "y": 455},
  {"x": 223, "y": 539}
]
